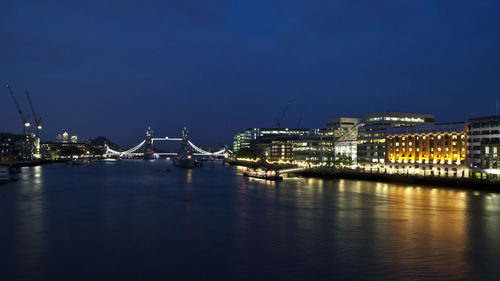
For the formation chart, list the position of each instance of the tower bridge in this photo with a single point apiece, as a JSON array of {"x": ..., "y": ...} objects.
[{"x": 147, "y": 145}]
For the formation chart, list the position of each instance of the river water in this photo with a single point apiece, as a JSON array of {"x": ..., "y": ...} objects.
[{"x": 132, "y": 220}]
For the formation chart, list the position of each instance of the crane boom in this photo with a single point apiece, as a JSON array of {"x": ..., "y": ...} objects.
[
  {"x": 26, "y": 124},
  {"x": 37, "y": 119},
  {"x": 282, "y": 115},
  {"x": 300, "y": 121}
]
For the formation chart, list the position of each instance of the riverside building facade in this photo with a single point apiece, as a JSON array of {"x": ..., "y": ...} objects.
[
  {"x": 483, "y": 140},
  {"x": 242, "y": 139},
  {"x": 371, "y": 147},
  {"x": 427, "y": 150},
  {"x": 317, "y": 150},
  {"x": 346, "y": 146},
  {"x": 273, "y": 148},
  {"x": 14, "y": 147}
]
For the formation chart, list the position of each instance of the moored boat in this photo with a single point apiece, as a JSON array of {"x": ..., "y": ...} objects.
[
  {"x": 185, "y": 158},
  {"x": 274, "y": 176},
  {"x": 264, "y": 177},
  {"x": 80, "y": 161}
]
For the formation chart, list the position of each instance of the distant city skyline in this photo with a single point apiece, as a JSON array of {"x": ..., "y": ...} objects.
[{"x": 115, "y": 68}]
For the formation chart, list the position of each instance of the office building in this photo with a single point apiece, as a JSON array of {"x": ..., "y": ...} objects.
[
  {"x": 242, "y": 139},
  {"x": 317, "y": 150},
  {"x": 14, "y": 147},
  {"x": 371, "y": 139},
  {"x": 274, "y": 148},
  {"x": 483, "y": 138}
]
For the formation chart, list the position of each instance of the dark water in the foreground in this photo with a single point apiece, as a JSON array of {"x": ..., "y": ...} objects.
[{"x": 131, "y": 220}]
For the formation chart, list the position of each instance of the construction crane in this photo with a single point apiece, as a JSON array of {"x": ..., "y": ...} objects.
[
  {"x": 38, "y": 119},
  {"x": 26, "y": 124},
  {"x": 278, "y": 120},
  {"x": 300, "y": 121}
]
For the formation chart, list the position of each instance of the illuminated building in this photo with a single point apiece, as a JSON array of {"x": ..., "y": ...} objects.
[
  {"x": 371, "y": 140},
  {"x": 339, "y": 126},
  {"x": 242, "y": 139},
  {"x": 344, "y": 131},
  {"x": 16, "y": 147},
  {"x": 65, "y": 136},
  {"x": 60, "y": 150},
  {"x": 315, "y": 150},
  {"x": 427, "y": 150},
  {"x": 281, "y": 151},
  {"x": 490, "y": 155},
  {"x": 273, "y": 148},
  {"x": 74, "y": 139},
  {"x": 346, "y": 146},
  {"x": 483, "y": 139}
]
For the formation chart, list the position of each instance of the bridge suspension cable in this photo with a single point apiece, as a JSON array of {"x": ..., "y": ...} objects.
[
  {"x": 204, "y": 152},
  {"x": 109, "y": 150},
  {"x": 199, "y": 150}
]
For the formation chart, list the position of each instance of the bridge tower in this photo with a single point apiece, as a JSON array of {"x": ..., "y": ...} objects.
[
  {"x": 185, "y": 140},
  {"x": 148, "y": 149}
]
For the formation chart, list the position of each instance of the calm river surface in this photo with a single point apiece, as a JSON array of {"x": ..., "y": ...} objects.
[{"x": 132, "y": 220}]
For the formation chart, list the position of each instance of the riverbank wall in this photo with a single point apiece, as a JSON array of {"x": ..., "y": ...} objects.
[
  {"x": 332, "y": 173},
  {"x": 466, "y": 183}
]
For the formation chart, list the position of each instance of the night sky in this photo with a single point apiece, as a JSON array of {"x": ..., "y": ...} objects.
[{"x": 216, "y": 67}]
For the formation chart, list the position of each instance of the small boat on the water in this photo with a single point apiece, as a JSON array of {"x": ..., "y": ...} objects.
[
  {"x": 80, "y": 161},
  {"x": 184, "y": 160},
  {"x": 112, "y": 159},
  {"x": 271, "y": 178},
  {"x": 263, "y": 175},
  {"x": 4, "y": 174}
]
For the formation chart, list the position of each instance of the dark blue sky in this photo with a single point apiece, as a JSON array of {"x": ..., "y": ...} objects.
[{"x": 114, "y": 68}]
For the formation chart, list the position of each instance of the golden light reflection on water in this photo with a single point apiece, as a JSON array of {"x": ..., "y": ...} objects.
[
  {"x": 414, "y": 229},
  {"x": 418, "y": 228},
  {"x": 189, "y": 176},
  {"x": 428, "y": 223}
]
